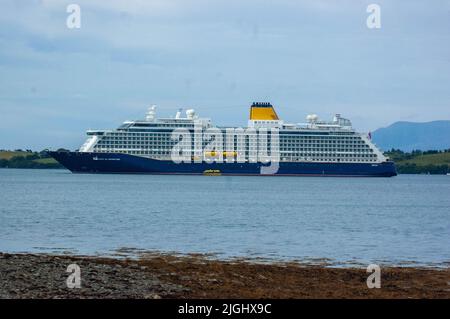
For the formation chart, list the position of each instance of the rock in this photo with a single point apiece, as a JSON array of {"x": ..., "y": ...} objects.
[
  {"x": 214, "y": 280},
  {"x": 152, "y": 296}
]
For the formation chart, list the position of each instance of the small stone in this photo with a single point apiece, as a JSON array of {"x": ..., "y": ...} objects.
[
  {"x": 152, "y": 296},
  {"x": 213, "y": 280}
]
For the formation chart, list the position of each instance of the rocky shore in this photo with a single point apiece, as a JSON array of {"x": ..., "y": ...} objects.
[{"x": 167, "y": 276}]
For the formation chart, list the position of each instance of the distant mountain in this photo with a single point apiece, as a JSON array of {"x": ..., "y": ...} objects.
[{"x": 408, "y": 136}]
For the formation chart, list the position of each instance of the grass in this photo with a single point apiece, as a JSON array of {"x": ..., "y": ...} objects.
[
  {"x": 429, "y": 159},
  {"x": 23, "y": 159},
  {"x": 7, "y": 155},
  {"x": 45, "y": 161}
]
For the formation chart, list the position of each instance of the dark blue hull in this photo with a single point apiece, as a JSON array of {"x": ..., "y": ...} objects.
[{"x": 123, "y": 163}]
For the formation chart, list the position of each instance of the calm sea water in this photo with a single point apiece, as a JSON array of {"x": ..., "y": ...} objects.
[{"x": 400, "y": 220}]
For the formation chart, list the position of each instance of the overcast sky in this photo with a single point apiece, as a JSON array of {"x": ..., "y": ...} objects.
[{"x": 217, "y": 57}]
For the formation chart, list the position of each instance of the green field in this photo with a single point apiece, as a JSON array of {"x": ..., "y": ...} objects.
[
  {"x": 10, "y": 154},
  {"x": 429, "y": 159},
  {"x": 46, "y": 160},
  {"x": 417, "y": 162},
  {"x": 22, "y": 159}
]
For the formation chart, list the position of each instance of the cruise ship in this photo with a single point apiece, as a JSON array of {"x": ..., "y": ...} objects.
[{"x": 189, "y": 144}]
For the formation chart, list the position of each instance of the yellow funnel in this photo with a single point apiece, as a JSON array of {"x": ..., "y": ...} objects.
[{"x": 262, "y": 111}]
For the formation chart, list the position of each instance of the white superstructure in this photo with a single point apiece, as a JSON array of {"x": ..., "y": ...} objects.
[{"x": 313, "y": 141}]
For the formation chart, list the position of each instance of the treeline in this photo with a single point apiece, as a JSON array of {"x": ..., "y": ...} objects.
[
  {"x": 405, "y": 161},
  {"x": 399, "y": 155},
  {"x": 29, "y": 159}
]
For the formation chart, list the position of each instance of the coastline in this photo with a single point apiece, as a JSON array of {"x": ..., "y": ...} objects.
[
  {"x": 433, "y": 162},
  {"x": 159, "y": 276}
]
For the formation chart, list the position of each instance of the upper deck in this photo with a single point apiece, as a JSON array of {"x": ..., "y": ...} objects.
[{"x": 338, "y": 125}]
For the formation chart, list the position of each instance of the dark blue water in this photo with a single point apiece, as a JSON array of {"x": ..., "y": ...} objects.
[{"x": 400, "y": 220}]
